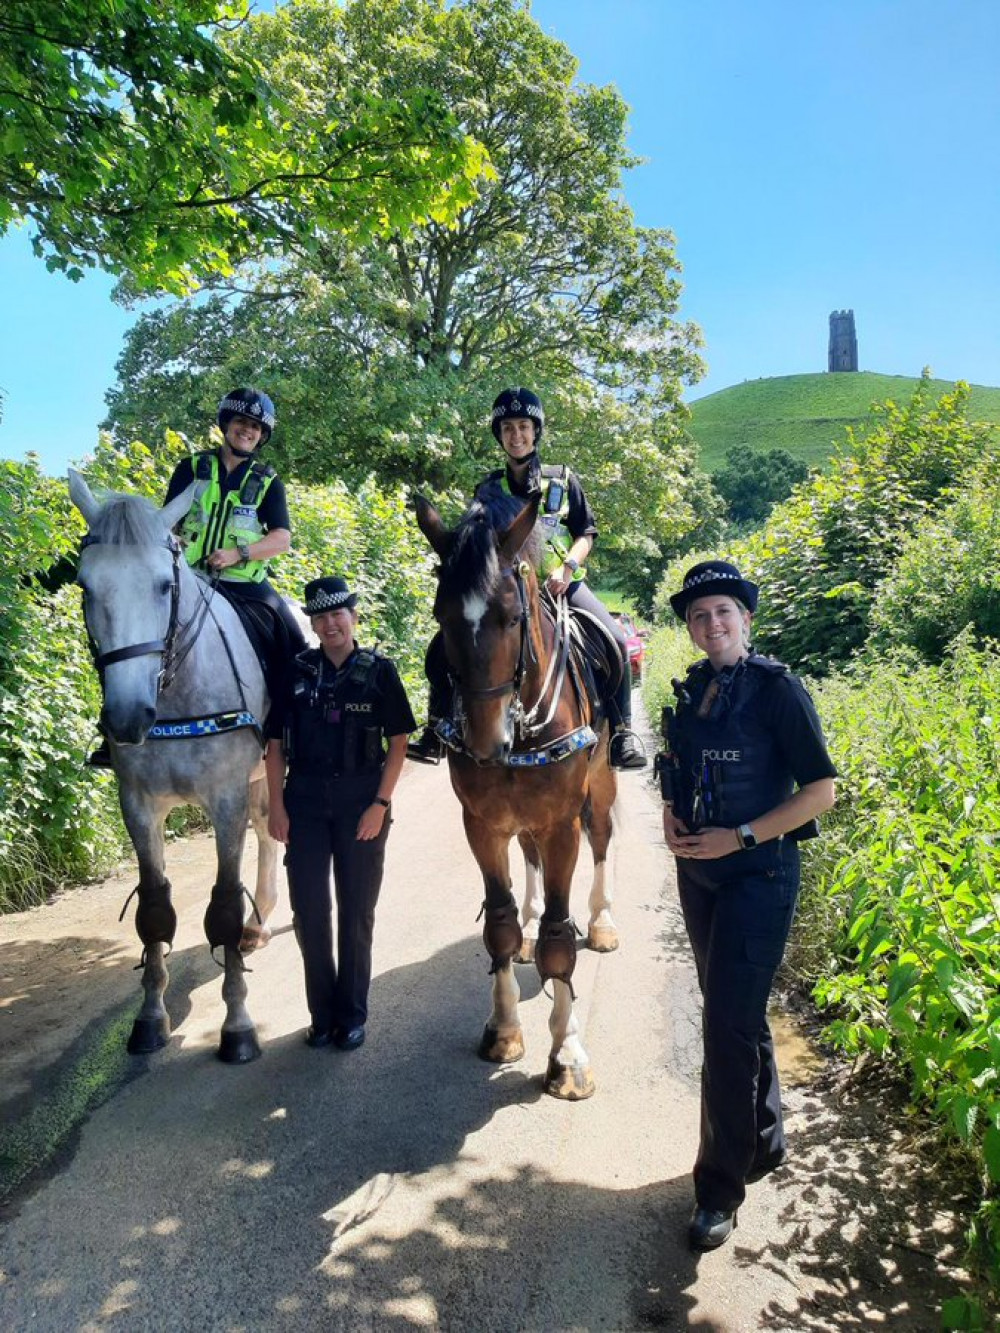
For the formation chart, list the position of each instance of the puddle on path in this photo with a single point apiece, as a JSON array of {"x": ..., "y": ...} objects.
[{"x": 798, "y": 1059}]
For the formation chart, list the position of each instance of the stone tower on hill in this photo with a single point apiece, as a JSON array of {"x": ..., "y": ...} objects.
[{"x": 843, "y": 341}]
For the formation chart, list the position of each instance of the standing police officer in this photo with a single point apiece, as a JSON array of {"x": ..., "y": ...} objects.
[
  {"x": 569, "y": 530},
  {"x": 341, "y": 733},
  {"x": 744, "y": 776}
]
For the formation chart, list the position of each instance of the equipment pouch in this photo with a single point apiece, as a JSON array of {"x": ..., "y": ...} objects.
[{"x": 810, "y": 829}]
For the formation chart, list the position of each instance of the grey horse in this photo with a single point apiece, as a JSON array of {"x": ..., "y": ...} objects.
[{"x": 175, "y": 661}]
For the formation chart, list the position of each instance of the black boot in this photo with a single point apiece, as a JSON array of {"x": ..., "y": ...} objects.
[
  {"x": 101, "y": 757},
  {"x": 626, "y": 750},
  {"x": 428, "y": 748}
]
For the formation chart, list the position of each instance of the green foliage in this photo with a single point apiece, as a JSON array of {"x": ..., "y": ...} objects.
[
  {"x": 910, "y": 874},
  {"x": 752, "y": 483},
  {"x": 947, "y": 576},
  {"x": 146, "y": 136},
  {"x": 808, "y": 415},
  {"x": 824, "y": 551},
  {"x": 385, "y": 357}
]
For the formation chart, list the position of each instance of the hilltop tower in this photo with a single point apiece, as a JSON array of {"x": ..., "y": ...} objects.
[{"x": 843, "y": 353}]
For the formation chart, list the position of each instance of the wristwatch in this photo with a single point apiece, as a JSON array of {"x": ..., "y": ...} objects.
[
  {"x": 380, "y": 800},
  {"x": 571, "y": 564},
  {"x": 746, "y": 836},
  {"x": 244, "y": 551}
]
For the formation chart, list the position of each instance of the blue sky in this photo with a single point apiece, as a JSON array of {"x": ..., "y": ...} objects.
[{"x": 808, "y": 156}]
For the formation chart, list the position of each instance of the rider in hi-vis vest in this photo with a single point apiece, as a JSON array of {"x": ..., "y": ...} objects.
[
  {"x": 238, "y": 521},
  {"x": 568, "y": 525}
]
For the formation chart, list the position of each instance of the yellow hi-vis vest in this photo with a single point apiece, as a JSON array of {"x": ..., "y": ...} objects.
[
  {"x": 552, "y": 515},
  {"x": 216, "y": 522}
]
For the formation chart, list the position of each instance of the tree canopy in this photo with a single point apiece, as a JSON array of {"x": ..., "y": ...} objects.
[
  {"x": 146, "y": 137},
  {"x": 386, "y": 355}
]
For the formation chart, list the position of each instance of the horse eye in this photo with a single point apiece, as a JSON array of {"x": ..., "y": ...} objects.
[{"x": 165, "y": 586}]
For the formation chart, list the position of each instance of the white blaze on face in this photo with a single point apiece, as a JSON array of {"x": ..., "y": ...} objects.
[{"x": 474, "y": 608}]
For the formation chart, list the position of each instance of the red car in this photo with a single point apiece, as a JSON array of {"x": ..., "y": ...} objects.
[{"x": 634, "y": 643}]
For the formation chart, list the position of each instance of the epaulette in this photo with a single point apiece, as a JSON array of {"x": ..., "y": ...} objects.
[{"x": 768, "y": 664}]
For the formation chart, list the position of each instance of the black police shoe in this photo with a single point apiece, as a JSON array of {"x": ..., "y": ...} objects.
[
  {"x": 101, "y": 757},
  {"x": 711, "y": 1227},
  {"x": 349, "y": 1039},
  {"x": 428, "y": 748},
  {"x": 627, "y": 750},
  {"x": 319, "y": 1037}
]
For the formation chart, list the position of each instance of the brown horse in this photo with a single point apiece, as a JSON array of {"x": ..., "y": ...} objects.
[{"x": 525, "y": 762}]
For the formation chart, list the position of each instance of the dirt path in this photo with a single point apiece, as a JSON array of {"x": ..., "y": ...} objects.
[{"x": 408, "y": 1185}]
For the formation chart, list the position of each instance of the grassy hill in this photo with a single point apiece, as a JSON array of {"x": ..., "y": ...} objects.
[{"x": 805, "y": 414}]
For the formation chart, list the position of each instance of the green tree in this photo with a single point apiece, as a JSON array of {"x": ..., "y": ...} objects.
[
  {"x": 386, "y": 356},
  {"x": 752, "y": 483},
  {"x": 144, "y": 136}
]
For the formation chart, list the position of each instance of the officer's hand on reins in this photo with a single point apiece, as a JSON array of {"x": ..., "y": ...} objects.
[{"x": 556, "y": 585}]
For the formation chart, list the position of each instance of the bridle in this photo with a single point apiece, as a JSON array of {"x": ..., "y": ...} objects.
[
  {"x": 179, "y": 639},
  {"x": 526, "y": 723}
]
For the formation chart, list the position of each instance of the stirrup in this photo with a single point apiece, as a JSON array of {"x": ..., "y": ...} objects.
[
  {"x": 626, "y": 750},
  {"x": 428, "y": 748}
]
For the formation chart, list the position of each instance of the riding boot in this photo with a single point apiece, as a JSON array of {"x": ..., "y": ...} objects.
[
  {"x": 626, "y": 749},
  {"x": 428, "y": 748},
  {"x": 100, "y": 758}
]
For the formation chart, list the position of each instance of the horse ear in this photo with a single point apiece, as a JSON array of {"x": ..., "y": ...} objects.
[
  {"x": 429, "y": 523},
  {"x": 517, "y": 533},
  {"x": 178, "y": 506},
  {"x": 82, "y": 496}
]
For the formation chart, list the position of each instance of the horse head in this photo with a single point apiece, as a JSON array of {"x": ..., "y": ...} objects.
[
  {"x": 130, "y": 571},
  {"x": 486, "y": 605}
]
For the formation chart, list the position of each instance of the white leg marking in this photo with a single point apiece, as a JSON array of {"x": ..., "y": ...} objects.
[{"x": 567, "y": 1048}]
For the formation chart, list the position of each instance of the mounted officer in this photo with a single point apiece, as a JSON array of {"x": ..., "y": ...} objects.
[
  {"x": 237, "y": 523},
  {"x": 743, "y": 777},
  {"x": 569, "y": 530},
  {"x": 340, "y": 733}
]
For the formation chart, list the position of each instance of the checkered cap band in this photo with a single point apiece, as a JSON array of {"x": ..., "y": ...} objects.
[
  {"x": 518, "y": 409},
  {"x": 327, "y": 601},
  {"x": 247, "y": 409},
  {"x": 710, "y": 576}
]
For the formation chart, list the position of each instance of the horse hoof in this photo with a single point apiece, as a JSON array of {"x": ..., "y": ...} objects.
[
  {"x": 602, "y": 939},
  {"x": 239, "y": 1048},
  {"x": 148, "y": 1035},
  {"x": 574, "y": 1083},
  {"x": 254, "y": 937},
  {"x": 526, "y": 953},
  {"x": 500, "y": 1050}
]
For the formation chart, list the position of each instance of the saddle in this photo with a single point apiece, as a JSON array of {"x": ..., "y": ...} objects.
[
  {"x": 595, "y": 662},
  {"x": 268, "y": 634}
]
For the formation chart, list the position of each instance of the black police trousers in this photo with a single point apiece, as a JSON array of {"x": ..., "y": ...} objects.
[
  {"x": 738, "y": 912},
  {"x": 323, "y": 834}
]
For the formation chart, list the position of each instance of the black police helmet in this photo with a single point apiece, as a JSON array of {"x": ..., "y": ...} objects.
[
  {"x": 518, "y": 403},
  {"x": 248, "y": 403},
  {"x": 714, "y": 578}
]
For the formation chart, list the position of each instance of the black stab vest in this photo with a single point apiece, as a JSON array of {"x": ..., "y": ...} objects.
[
  {"x": 729, "y": 762},
  {"x": 333, "y": 728}
]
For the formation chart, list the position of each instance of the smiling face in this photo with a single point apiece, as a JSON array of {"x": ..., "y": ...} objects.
[
  {"x": 720, "y": 627},
  {"x": 335, "y": 631},
  {"x": 517, "y": 435},
  {"x": 243, "y": 432}
]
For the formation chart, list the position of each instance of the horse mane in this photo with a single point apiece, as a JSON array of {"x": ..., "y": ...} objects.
[
  {"x": 470, "y": 565},
  {"x": 127, "y": 520}
]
